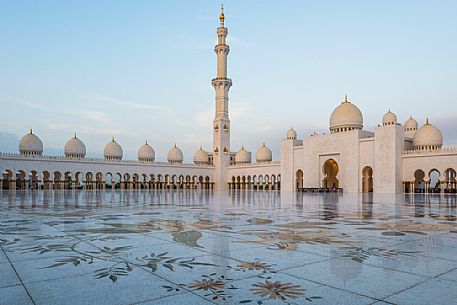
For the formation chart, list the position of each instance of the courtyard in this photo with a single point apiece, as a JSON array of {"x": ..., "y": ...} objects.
[{"x": 239, "y": 247}]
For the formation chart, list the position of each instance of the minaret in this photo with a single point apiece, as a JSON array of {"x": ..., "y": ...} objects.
[{"x": 221, "y": 122}]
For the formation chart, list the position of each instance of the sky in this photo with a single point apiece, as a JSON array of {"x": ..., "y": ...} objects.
[{"x": 140, "y": 70}]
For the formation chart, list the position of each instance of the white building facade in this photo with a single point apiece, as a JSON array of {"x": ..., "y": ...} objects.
[{"x": 394, "y": 158}]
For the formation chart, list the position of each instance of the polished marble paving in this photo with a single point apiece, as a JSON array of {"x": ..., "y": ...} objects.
[{"x": 241, "y": 247}]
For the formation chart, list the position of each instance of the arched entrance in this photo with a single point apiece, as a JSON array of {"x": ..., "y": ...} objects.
[
  {"x": 299, "y": 180},
  {"x": 434, "y": 184},
  {"x": 330, "y": 170},
  {"x": 450, "y": 176},
  {"x": 367, "y": 179},
  {"x": 419, "y": 183}
]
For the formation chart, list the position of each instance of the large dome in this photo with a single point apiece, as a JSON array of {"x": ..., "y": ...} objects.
[
  {"x": 428, "y": 137},
  {"x": 201, "y": 157},
  {"x": 30, "y": 145},
  {"x": 146, "y": 153},
  {"x": 410, "y": 127},
  {"x": 389, "y": 118},
  {"x": 75, "y": 148},
  {"x": 242, "y": 156},
  {"x": 175, "y": 155},
  {"x": 346, "y": 117},
  {"x": 113, "y": 151},
  {"x": 291, "y": 134},
  {"x": 263, "y": 154}
]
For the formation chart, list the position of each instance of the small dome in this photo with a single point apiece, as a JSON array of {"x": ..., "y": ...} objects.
[
  {"x": 146, "y": 153},
  {"x": 30, "y": 145},
  {"x": 410, "y": 127},
  {"x": 346, "y": 117},
  {"x": 263, "y": 154},
  {"x": 113, "y": 151},
  {"x": 175, "y": 155},
  {"x": 242, "y": 156},
  {"x": 75, "y": 148},
  {"x": 201, "y": 157},
  {"x": 428, "y": 137},
  {"x": 291, "y": 134},
  {"x": 389, "y": 118}
]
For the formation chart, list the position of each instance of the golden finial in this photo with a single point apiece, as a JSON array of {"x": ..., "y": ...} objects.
[
  {"x": 113, "y": 139},
  {"x": 426, "y": 122},
  {"x": 31, "y": 131},
  {"x": 346, "y": 98},
  {"x": 222, "y": 16}
]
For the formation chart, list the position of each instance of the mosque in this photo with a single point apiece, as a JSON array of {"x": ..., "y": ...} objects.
[{"x": 394, "y": 158}]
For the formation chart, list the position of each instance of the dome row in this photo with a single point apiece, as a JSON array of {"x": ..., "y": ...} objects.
[
  {"x": 31, "y": 145},
  {"x": 347, "y": 117}
]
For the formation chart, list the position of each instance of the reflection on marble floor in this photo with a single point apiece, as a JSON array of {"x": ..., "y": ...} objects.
[{"x": 205, "y": 247}]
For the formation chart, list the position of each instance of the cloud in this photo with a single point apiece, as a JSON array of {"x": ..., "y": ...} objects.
[
  {"x": 84, "y": 129},
  {"x": 36, "y": 106},
  {"x": 235, "y": 40},
  {"x": 123, "y": 103},
  {"x": 204, "y": 118},
  {"x": 96, "y": 116}
]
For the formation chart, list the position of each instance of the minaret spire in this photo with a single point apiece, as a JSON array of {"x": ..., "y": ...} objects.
[
  {"x": 222, "y": 16},
  {"x": 221, "y": 122}
]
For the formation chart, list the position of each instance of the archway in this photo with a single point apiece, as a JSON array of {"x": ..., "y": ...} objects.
[
  {"x": 299, "y": 180},
  {"x": 434, "y": 184},
  {"x": 450, "y": 176},
  {"x": 99, "y": 183},
  {"x": 419, "y": 183},
  {"x": 57, "y": 180},
  {"x": 330, "y": 170},
  {"x": 7, "y": 178},
  {"x": 109, "y": 181},
  {"x": 367, "y": 180}
]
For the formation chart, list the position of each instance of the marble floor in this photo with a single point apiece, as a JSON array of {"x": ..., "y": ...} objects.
[{"x": 207, "y": 247}]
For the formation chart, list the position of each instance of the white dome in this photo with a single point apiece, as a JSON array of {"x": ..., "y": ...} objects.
[
  {"x": 291, "y": 134},
  {"x": 175, "y": 155},
  {"x": 346, "y": 117},
  {"x": 263, "y": 154},
  {"x": 428, "y": 137},
  {"x": 242, "y": 156},
  {"x": 113, "y": 151},
  {"x": 389, "y": 118},
  {"x": 146, "y": 153},
  {"x": 30, "y": 144},
  {"x": 75, "y": 148},
  {"x": 410, "y": 127},
  {"x": 201, "y": 157}
]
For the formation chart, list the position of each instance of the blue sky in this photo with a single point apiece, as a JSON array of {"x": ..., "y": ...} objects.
[{"x": 142, "y": 69}]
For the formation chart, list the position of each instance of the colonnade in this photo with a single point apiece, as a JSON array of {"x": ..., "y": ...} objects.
[
  {"x": 255, "y": 183},
  {"x": 35, "y": 180}
]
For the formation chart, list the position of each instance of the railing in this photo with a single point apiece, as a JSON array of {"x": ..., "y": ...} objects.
[
  {"x": 442, "y": 150},
  {"x": 6, "y": 155},
  {"x": 257, "y": 164}
]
